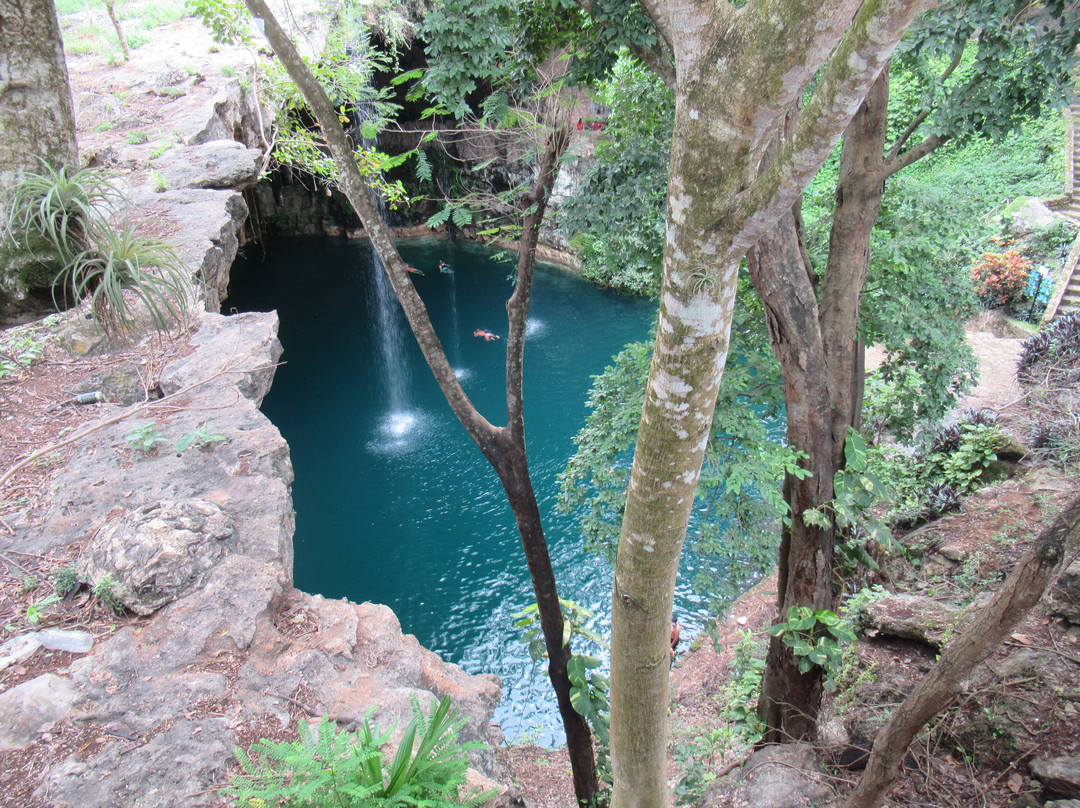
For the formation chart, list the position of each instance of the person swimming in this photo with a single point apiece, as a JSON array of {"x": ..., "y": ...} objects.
[
  {"x": 445, "y": 268},
  {"x": 413, "y": 270},
  {"x": 487, "y": 335}
]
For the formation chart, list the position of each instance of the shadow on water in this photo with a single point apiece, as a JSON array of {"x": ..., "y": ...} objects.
[{"x": 394, "y": 503}]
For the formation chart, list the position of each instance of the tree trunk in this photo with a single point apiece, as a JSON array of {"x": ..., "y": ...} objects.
[
  {"x": 36, "y": 118},
  {"x": 790, "y": 699},
  {"x": 36, "y": 123},
  {"x": 110, "y": 7},
  {"x": 1025, "y": 587},
  {"x": 822, "y": 367},
  {"x": 504, "y": 447},
  {"x": 738, "y": 71}
]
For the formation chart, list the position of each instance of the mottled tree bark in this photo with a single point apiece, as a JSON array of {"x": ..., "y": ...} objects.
[
  {"x": 738, "y": 71},
  {"x": 504, "y": 447},
  {"x": 36, "y": 118}
]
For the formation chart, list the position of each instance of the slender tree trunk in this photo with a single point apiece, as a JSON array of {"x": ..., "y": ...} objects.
[
  {"x": 110, "y": 7},
  {"x": 1027, "y": 584},
  {"x": 504, "y": 447},
  {"x": 821, "y": 360},
  {"x": 790, "y": 699}
]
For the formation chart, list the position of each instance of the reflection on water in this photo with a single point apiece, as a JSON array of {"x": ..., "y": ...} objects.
[{"x": 394, "y": 503}]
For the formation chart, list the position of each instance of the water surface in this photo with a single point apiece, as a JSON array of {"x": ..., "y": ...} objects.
[{"x": 394, "y": 502}]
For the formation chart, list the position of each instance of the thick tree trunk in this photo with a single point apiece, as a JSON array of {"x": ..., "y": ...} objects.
[
  {"x": 821, "y": 360},
  {"x": 504, "y": 447},
  {"x": 738, "y": 72},
  {"x": 36, "y": 118},
  {"x": 1025, "y": 587}
]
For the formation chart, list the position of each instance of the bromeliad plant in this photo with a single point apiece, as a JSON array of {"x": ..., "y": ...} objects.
[{"x": 69, "y": 213}]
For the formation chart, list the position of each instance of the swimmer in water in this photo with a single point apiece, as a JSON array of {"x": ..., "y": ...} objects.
[
  {"x": 487, "y": 335},
  {"x": 413, "y": 270},
  {"x": 445, "y": 268}
]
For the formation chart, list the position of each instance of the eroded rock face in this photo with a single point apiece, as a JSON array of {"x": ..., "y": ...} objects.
[
  {"x": 912, "y": 617},
  {"x": 1064, "y": 598},
  {"x": 785, "y": 776},
  {"x": 156, "y": 553}
]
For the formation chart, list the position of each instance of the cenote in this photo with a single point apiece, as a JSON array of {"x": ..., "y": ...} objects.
[{"x": 394, "y": 503}]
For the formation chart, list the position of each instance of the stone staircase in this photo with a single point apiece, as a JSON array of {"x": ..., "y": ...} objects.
[{"x": 1067, "y": 291}]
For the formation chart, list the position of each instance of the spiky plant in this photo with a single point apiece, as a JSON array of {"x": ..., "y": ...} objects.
[{"x": 72, "y": 212}]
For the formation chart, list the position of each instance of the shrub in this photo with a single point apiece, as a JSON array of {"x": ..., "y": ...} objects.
[
  {"x": 328, "y": 767},
  {"x": 932, "y": 503},
  {"x": 70, "y": 211},
  {"x": 1056, "y": 348},
  {"x": 1000, "y": 278}
]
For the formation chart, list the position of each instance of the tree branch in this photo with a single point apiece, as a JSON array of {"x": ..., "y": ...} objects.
[
  {"x": 858, "y": 60},
  {"x": 360, "y": 196},
  {"x": 1027, "y": 584},
  {"x": 924, "y": 114},
  {"x": 915, "y": 153}
]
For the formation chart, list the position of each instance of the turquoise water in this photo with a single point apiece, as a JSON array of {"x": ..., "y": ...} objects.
[{"x": 394, "y": 502}]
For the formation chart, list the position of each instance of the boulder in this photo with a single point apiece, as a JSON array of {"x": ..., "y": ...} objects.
[
  {"x": 785, "y": 776},
  {"x": 27, "y": 709},
  {"x": 215, "y": 164},
  {"x": 1026, "y": 215},
  {"x": 1060, "y": 777},
  {"x": 244, "y": 346},
  {"x": 156, "y": 553},
  {"x": 1065, "y": 596},
  {"x": 912, "y": 617}
]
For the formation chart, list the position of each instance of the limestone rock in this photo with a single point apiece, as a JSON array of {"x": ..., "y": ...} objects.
[
  {"x": 215, "y": 164},
  {"x": 244, "y": 345},
  {"x": 27, "y": 709},
  {"x": 157, "y": 552},
  {"x": 122, "y": 384},
  {"x": 912, "y": 617},
  {"x": 1065, "y": 596},
  {"x": 206, "y": 224},
  {"x": 785, "y": 776},
  {"x": 173, "y": 770},
  {"x": 93, "y": 110},
  {"x": 1060, "y": 776},
  {"x": 1027, "y": 214}
]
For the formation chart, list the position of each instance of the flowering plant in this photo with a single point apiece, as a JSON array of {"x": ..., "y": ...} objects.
[{"x": 1000, "y": 278}]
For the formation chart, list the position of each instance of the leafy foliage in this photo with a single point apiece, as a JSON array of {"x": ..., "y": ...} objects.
[
  {"x": 857, "y": 489},
  {"x": 1012, "y": 63},
  {"x": 228, "y": 21},
  {"x": 144, "y": 438},
  {"x": 959, "y": 454},
  {"x": 616, "y": 220},
  {"x": 1055, "y": 349},
  {"x": 815, "y": 638},
  {"x": 200, "y": 438},
  {"x": 328, "y": 767},
  {"x": 589, "y": 687}
]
